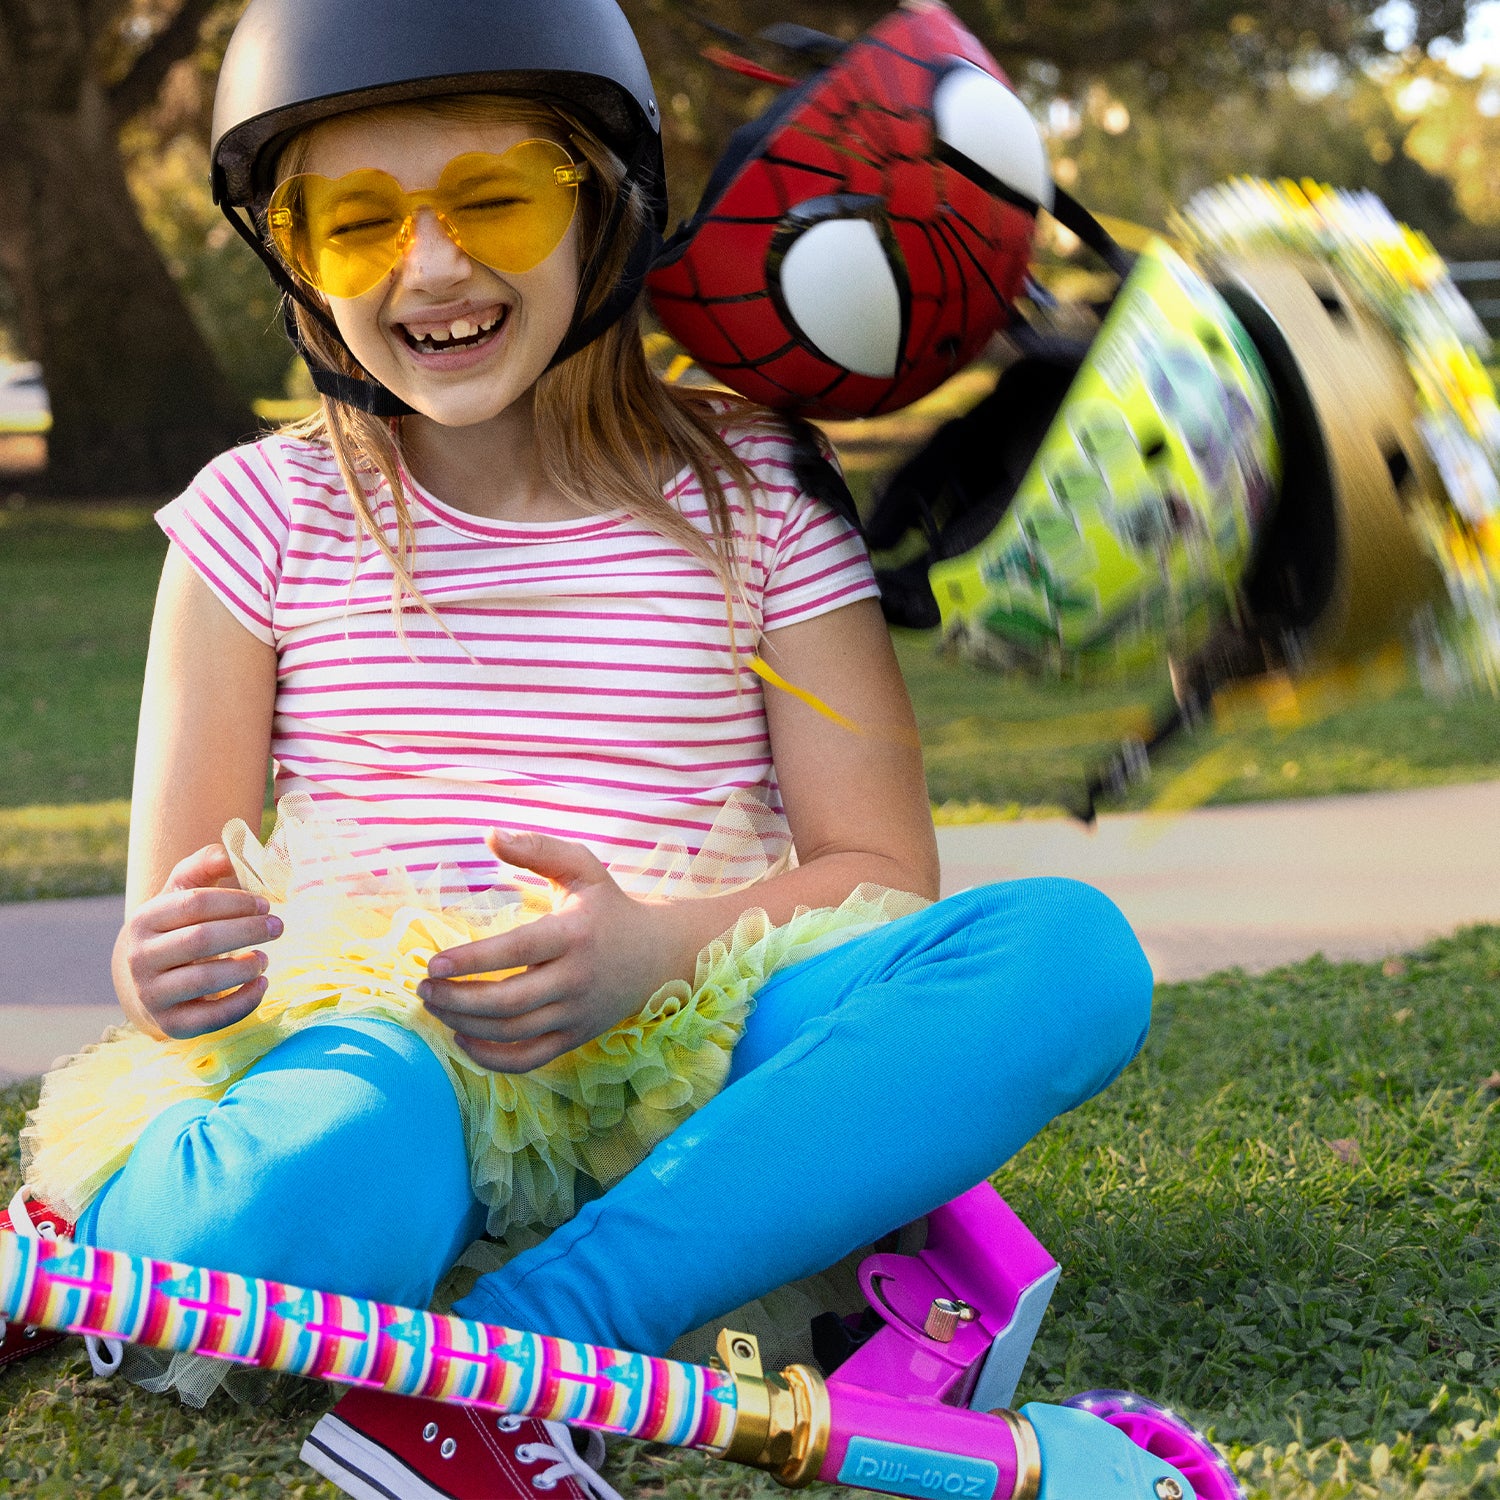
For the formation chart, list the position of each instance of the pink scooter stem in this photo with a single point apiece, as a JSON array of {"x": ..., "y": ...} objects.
[
  {"x": 958, "y": 1318},
  {"x": 961, "y": 1313}
]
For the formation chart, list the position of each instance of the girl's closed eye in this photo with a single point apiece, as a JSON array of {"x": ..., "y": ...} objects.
[
  {"x": 372, "y": 226},
  {"x": 497, "y": 203}
]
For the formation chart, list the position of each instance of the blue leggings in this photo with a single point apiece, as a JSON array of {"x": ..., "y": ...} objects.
[{"x": 873, "y": 1082}]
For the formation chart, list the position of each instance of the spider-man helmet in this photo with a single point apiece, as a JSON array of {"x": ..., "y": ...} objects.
[{"x": 866, "y": 237}]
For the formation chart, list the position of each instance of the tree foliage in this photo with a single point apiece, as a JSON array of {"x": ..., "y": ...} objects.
[
  {"x": 1139, "y": 158},
  {"x": 1453, "y": 128},
  {"x": 1174, "y": 54}
]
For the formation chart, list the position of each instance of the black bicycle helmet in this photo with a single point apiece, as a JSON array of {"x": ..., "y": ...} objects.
[{"x": 291, "y": 63}]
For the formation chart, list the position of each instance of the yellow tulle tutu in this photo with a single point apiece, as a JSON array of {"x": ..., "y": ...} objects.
[{"x": 358, "y": 931}]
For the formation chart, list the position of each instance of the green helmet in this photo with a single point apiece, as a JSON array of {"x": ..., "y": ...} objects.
[{"x": 1125, "y": 536}]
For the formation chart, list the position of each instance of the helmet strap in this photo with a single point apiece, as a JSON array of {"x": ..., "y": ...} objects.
[
  {"x": 1072, "y": 215},
  {"x": 352, "y": 390},
  {"x": 638, "y": 263}
]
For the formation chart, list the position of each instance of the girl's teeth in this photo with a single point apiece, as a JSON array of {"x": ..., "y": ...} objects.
[{"x": 457, "y": 331}]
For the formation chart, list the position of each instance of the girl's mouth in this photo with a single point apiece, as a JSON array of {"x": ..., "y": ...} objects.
[{"x": 460, "y": 333}]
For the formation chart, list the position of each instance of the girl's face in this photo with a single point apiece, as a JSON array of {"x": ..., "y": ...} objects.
[{"x": 458, "y": 342}]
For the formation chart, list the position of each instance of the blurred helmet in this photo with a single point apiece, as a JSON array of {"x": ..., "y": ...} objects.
[
  {"x": 1342, "y": 566},
  {"x": 291, "y": 63},
  {"x": 1097, "y": 512},
  {"x": 865, "y": 238}
]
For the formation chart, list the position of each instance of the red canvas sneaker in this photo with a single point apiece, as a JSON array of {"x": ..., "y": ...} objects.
[
  {"x": 376, "y": 1446},
  {"x": 35, "y": 1221}
]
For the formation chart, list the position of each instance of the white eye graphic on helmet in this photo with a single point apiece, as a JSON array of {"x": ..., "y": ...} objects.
[
  {"x": 986, "y": 133},
  {"x": 839, "y": 280}
]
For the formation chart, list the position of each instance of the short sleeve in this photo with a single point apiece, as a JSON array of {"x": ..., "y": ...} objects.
[
  {"x": 818, "y": 561},
  {"x": 232, "y": 524}
]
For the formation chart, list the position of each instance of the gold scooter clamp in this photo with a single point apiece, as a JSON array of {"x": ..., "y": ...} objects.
[{"x": 783, "y": 1421}]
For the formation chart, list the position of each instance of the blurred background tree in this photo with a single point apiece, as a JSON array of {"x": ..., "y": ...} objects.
[
  {"x": 156, "y": 326},
  {"x": 1452, "y": 126},
  {"x": 138, "y": 397},
  {"x": 1143, "y": 101}
]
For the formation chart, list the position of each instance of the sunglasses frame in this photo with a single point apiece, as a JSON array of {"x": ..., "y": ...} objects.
[{"x": 282, "y": 227}]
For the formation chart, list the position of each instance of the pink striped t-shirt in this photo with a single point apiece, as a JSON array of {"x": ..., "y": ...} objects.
[{"x": 600, "y": 703}]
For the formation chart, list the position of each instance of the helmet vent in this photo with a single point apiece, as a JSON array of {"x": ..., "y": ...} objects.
[
  {"x": 1334, "y": 306},
  {"x": 1398, "y": 466}
]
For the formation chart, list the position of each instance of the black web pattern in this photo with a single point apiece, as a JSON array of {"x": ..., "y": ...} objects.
[{"x": 868, "y": 130}]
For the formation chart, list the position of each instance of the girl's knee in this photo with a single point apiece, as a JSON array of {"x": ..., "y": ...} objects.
[
  {"x": 307, "y": 1171},
  {"x": 1078, "y": 957}
]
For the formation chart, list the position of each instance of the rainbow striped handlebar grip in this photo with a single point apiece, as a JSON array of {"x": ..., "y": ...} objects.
[
  {"x": 79, "y": 1289},
  {"x": 791, "y": 1424}
]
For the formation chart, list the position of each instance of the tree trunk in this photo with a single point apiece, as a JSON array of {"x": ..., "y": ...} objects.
[{"x": 138, "y": 401}]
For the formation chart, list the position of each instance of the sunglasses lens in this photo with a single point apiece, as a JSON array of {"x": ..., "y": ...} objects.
[
  {"x": 341, "y": 235},
  {"x": 511, "y": 211}
]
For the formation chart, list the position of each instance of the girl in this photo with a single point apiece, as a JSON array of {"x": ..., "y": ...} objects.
[{"x": 503, "y": 615}]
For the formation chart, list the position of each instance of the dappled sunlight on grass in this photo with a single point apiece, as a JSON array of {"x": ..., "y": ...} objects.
[
  {"x": 76, "y": 850},
  {"x": 1283, "y": 1219}
]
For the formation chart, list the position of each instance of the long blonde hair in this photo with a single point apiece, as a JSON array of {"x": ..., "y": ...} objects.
[{"x": 607, "y": 427}]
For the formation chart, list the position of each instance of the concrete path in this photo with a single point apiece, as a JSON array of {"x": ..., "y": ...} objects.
[
  {"x": 55, "y": 991},
  {"x": 1257, "y": 886}
]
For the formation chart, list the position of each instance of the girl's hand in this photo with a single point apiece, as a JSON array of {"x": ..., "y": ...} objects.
[
  {"x": 595, "y": 960},
  {"x": 174, "y": 972}
]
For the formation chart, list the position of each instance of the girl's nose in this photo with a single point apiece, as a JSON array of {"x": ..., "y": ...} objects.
[{"x": 430, "y": 254}]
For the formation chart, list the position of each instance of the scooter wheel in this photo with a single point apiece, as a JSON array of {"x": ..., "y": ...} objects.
[{"x": 1163, "y": 1433}]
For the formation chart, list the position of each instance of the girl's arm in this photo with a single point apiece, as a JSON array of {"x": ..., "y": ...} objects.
[
  {"x": 201, "y": 759},
  {"x": 856, "y": 800}
]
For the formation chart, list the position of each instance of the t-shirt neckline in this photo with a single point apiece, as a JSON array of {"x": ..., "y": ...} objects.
[{"x": 484, "y": 529}]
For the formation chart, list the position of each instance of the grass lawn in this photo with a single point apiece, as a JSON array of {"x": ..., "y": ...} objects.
[
  {"x": 1283, "y": 1219},
  {"x": 1015, "y": 747},
  {"x": 76, "y": 590}
]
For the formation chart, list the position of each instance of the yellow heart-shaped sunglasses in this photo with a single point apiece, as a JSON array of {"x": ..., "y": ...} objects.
[{"x": 509, "y": 211}]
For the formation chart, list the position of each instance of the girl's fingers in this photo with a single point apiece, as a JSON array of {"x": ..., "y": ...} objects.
[
  {"x": 537, "y": 942},
  {"x": 206, "y": 866},
  {"x": 515, "y": 995},
  {"x": 564, "y": 861},
  {"x": 517, "y": 1057},
  {"x": 203, "y": 940},
  {"x": 191, "y": 906},
  {"x": 211, "y": 1012},
  {"x": 540, "y": 1022},
  {"x": 192, "y": 982}
]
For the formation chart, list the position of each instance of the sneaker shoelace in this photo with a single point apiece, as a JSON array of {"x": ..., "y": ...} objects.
[
  {"x": 562, "y": 1458},
  {"x": 105, "y": 1355}
]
